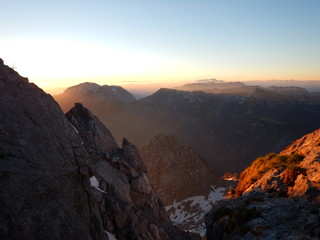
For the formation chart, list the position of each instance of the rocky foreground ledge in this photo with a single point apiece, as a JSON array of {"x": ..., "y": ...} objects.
[{"x": 278, "y": 197}]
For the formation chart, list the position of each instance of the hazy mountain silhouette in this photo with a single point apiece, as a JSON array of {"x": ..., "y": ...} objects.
[
  {"x": 311, "y": 85},
  {"x": 227, "y": 129},
  {"x": 94, "y": 95}
]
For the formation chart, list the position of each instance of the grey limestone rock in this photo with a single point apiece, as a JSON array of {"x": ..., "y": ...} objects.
[
  {"x": 124, "y": 197},
  {"x": 44, "y": 186},
  {"x": 47, "y": 164}
]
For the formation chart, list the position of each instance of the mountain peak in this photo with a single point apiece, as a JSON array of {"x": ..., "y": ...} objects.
[
  {"x": 89, "y": 88},
  {"x": 83, "y": 88},
  {"x": 92, "y": 130},
  {"x": 92, "y": 95}
]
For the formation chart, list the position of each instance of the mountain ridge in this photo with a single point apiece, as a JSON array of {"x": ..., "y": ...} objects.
[
  {"x": 278, "y": 197},
  {"x": 254, "y": 123}
]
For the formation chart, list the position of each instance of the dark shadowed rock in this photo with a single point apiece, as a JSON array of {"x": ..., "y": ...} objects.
[
  {"x": 95, "y": 134},
  {"x": 133, "y": 156},
  {"x": 182, "y": 180},
  {"x": 47, "y": 165},
  {"x": 124, "y": 197},
  {"x": 44, "y": 186},
  {"x": 171, "y": 165},
  {"x": 260, "y": 215}
]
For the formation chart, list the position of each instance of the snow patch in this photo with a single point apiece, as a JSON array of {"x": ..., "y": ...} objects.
[
  {"x": 74, "y": 128},
  {"x": 190, "y": 212},
  {"x": 86, "y": 88},
  {"x": 95, "y": 184},
  {"x": 110, "y": 235},
  {"x": 115, "y": 90}
]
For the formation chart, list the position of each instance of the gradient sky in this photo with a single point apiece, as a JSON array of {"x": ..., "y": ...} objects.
[{"x": 61, "y": 43}]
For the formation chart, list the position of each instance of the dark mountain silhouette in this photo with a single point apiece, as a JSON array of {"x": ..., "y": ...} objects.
[
  {"x": 310, "y": 85},
  {"x": 277, "y": 197},
  {"x": 64, "y": 177},
  {"x": 227, "y": 129},
  {"x": 182, "y": 180},
  {"x": 216, "y": 86},
  {"x": 94, "y": 96},
  {"x": 170, "y": 165}
]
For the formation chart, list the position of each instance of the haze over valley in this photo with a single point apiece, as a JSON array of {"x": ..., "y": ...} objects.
[{"x": 229, "y": 124}]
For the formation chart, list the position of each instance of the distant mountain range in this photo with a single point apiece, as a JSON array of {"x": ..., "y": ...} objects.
[
  {"x": 311, "y": 85},
  {"x": 200, "y": 85},
  {"x": 229, "y": 124}
]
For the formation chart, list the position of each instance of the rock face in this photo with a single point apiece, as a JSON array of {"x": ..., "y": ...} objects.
[
  {"x": 93, "y": 132},
  {"x": 182, "y": 180},
  {"x": 260, "y": 215},
  {"x": 44, "y": 186},
  {"x": 171, "y": 166},
  {"x": 63, "y": 179},
  {"x": 300, "y": 178},
  {"x": 124, "y": 197},
  {"x": 308, "y": 146},
  {"x": 278, "y": 197}
]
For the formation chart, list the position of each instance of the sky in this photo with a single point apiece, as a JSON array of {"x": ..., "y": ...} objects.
[{"x": 61, "y": 43}]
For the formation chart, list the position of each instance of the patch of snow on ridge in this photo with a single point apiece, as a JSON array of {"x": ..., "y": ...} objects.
[
  {"x": 74, "y": 127},
  {"x": 190, "y": 213},
  {"x": 95, "y": 184},
  {"x": 110, "y": 235},
  {"x": 87, "y": 88}
]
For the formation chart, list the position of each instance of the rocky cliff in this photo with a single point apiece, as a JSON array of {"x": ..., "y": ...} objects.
[
  {"x": 44, "y": 185},
  {"x": 182, "y": 180},
  {"x": 171, "y": 166},
  {"x": 65, "y": 177},
  {"x": 124, "y": 197},
  {"x": 278, "y": 197}
]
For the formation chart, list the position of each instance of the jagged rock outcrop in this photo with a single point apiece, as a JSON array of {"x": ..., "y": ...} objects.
[
  {"x": 63, "y": 179},
  {"x": 308, "y": 146},
  {"x": 297, "y": 176},
  {"x": 96, "y": 136},
  {"x": 278, "y": 197},
  {"x": 44, "y": 185},
  {"x": 172, "y": 165},
  {"x": 182, "y": 180},
  {"x": 260, "y": 215},
  {"x": 124, "y": 196}
]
